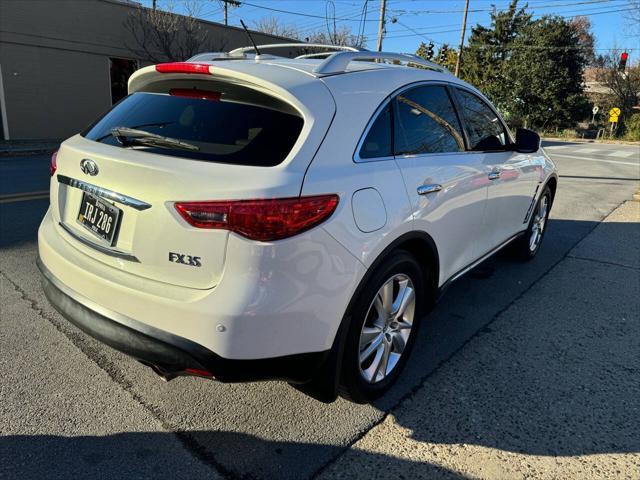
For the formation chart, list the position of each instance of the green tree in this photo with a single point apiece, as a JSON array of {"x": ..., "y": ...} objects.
[
  {"x": 486, "y": 58},
  {"x": 531, "y": 69},
  {"x": 546, "y": 75}
]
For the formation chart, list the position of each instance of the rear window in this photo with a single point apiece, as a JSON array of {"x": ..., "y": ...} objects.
[{"x": 253, "y": 132}]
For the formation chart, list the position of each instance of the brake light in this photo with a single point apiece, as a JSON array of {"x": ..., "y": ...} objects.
[
  {"x": 183, "y": 67},
  {"x": 195, "y": 93},
  {"x": 262, "y": 220},
  {"x": 53, "y": 164}
]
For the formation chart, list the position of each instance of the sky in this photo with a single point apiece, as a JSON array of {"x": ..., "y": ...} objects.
[{"x": 410, "y": 22}]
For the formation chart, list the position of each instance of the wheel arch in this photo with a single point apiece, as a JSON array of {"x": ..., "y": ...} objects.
[
  {"x": 552, "y": 183},
  {"x": 422, "y": 246},
  {"x": 324, "y": 385}
]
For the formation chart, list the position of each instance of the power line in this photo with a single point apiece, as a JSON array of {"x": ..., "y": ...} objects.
[
  {"x": 424, "y": 34},
  {"x": 309, "y": 15},
  {"x": 478, "y": 10}
]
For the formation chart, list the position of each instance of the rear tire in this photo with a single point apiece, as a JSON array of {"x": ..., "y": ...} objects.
[
  {"x": 526, "y": 247},
  {"x": 384, "y": 325}
]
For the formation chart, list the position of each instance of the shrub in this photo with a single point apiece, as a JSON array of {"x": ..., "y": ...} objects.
[{"x": 633, "y": 127}]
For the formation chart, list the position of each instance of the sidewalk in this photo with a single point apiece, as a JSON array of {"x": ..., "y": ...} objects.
[
  {"x": 550, "y": 389},
  {"x": 590, "y": 140},
  {"x": 12, "y": 148}
]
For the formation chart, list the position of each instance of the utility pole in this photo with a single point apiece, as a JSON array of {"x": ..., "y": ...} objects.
[
  {"x": 225, "y": 8},
  {"x": 155, "y": 4},
  {"x": 464, "y": 28},
  {"x": 383, "y": 6}
]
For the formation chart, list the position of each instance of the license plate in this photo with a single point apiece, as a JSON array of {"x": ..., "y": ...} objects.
[{"x": 99, "y": 217}]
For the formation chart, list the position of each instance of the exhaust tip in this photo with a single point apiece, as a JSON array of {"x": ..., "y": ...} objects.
[{"x": 168, "y": 375}]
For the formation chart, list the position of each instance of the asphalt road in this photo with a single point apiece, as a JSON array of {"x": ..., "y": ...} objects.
[{"x": 71, "y": 406}]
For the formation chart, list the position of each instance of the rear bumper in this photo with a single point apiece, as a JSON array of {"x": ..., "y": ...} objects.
[
  {"x": 275, "y": 299},
  {"x": 169, "y": 353}
]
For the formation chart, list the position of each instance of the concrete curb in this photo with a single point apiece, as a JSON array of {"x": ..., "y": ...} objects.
[{"x": 590, "y": 140}]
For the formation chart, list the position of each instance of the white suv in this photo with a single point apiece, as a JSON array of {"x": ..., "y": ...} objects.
[{"x": 247, "y": 217}]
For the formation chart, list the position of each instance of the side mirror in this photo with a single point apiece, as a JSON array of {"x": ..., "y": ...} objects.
[{"x": 527, "y": 141}]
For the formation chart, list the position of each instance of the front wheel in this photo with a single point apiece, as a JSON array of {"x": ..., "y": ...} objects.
[
  {"x": 527, "y": 247},
  {"x": 384, "y": 324}
]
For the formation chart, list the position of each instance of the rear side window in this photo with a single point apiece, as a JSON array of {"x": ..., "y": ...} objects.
[
  {"x": 241, "y": 132},
  {"x": 377, "y": 143},
  {"x": 485, "y": 130},
  {"x": 425, "y": 122}
]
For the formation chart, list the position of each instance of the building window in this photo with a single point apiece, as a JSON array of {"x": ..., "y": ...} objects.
[{"x": 121, "y": 70}]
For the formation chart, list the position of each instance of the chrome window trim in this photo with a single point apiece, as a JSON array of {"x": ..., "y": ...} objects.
[
  {"x": 104, "y": 192},
  {"x": 107, "y": 251},
  {"x": 386, "y": 101},
  {"x": 432, "y": 154}
]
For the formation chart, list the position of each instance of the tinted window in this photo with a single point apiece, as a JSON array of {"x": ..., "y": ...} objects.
[
  {"x": 484, "y": 128},
  {"x": 425, "y": 122},
  {"x": 223, "y": 131},
  {"x": 378, "y": 140}
]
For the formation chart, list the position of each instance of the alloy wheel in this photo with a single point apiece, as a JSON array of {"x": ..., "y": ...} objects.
[
  {"x": 387, "y": 328},
  {"x": 539, "y": 222}
]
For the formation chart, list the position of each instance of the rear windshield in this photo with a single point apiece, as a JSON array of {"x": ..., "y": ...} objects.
[{"x": 215, "y": 129}]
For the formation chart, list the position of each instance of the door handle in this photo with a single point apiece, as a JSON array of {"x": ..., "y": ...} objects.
[
  {"x": 494, "y": 174},
  {"x": 429, "y": 188}
]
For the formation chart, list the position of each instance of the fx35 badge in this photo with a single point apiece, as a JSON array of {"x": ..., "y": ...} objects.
[{"x": 185, "y": 259}]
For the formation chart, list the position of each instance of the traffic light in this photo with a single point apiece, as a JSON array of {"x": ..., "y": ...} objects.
[
  {"x": 623, "y": 61},
  {"x": 443, "y": 55},
  {"x": 430, "y": 51}
]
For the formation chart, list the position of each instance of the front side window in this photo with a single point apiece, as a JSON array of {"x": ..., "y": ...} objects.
[
  {"x": 377, "y": 143},
  {"x": 485, "y": 130},
  {"x": 425, "y": 122}
]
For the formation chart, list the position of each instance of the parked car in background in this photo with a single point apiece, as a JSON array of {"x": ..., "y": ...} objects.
[{"x": 247, "y": 217}]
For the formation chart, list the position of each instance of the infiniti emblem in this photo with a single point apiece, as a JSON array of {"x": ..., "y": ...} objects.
[{"x": 89, "y": 167}]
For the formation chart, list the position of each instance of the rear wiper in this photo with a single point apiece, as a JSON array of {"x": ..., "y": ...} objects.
[{"x": 131, "y": 136}]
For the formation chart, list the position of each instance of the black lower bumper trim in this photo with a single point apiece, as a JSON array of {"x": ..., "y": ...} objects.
[{"x": 171, "y": 353}]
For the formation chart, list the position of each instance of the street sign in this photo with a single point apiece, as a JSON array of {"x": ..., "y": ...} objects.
[{"x": 614, "y": 113}]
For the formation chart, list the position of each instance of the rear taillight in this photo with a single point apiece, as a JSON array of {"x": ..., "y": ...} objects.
[
  {"x": 263, "y": 220},
  {"x": 53, "y": 164},
  {"x": 183, "y": 67}
]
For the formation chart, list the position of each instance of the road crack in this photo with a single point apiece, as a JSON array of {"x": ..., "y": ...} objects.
[
  {"x": 603, "y": 262},
  {"x": 79, "y": 340}
]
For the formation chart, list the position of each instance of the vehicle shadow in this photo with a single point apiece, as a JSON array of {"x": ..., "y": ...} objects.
[
  {"x": 157, "y": 455},
  {"x": 555, "y": 372}
]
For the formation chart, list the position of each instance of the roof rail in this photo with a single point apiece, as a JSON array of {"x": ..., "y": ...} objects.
[
  {"x": 216, "y": 56},
  {"x": 339, "y": 61},
  {"x": 320, "y": 56},
  {"x": 241, "y": 51},
  {"x": 208, "y": 56}
]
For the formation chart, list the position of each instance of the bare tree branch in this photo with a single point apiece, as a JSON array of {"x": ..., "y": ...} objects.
[
  {"x": 624, "y": 86},
  {"x": 342, "y": 36},
  {"x": 273, "y": 26},
  {"x": 163, "y": 35}
]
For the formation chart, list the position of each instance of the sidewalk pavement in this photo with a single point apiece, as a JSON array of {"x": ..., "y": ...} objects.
[
  {"x": 12, "y": 148},
  {"x": 550, "y": 389}
]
